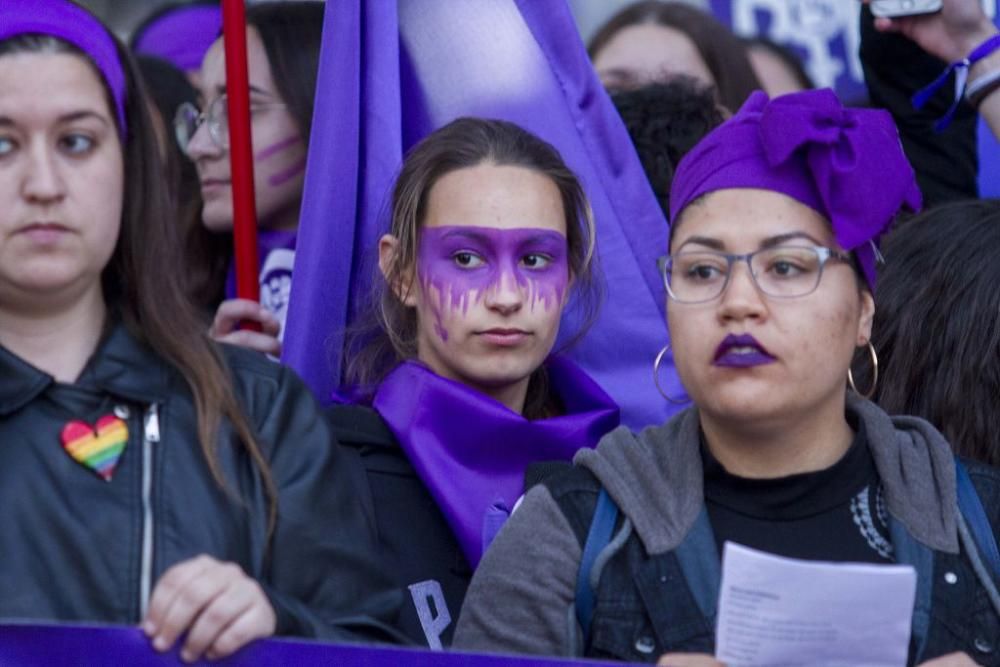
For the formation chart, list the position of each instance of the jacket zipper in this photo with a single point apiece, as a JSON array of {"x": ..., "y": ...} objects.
[{"x": 151, "y": 436}]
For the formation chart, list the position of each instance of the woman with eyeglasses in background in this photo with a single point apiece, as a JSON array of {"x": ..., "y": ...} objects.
[
  {"x": 283, "y": 43},
  {"x": 770, "y": 278}
]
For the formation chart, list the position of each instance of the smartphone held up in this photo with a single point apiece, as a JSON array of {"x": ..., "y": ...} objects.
[{"x": 896, "y": 8}]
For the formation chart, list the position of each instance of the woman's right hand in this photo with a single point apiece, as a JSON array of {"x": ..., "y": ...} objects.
[
  {"x": 234, "y": 311},
  {"x": 950, "y": 34},
  {"x": 688, "y": 660}
]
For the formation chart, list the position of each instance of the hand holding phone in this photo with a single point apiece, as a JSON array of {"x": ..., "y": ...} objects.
[
  {"x": 950, "y": 34},
  {"x": 896, "y": 8}
]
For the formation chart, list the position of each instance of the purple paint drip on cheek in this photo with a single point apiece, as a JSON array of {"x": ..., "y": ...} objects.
[{"x": 500, "y": 254}]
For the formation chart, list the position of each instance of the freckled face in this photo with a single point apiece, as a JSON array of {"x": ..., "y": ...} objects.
[
  {"x": 492, "y": 275},
  {"x": 61, "y": 178},
  {"x": 812, "y": 338}
]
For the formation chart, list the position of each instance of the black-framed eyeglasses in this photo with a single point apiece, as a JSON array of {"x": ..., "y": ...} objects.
[
  {"x": 783, "y": 271},
  {"x": 188, "y": 119}
]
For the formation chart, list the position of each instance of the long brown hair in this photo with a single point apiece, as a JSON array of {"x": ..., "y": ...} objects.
[
  {"x": 389, "y": 333},
  {"x": 142, "y": 281},
  {"x": 723, "y": 52}
]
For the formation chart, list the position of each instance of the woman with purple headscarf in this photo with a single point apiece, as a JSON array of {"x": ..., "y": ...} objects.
[{"x": 776, "y": 217}]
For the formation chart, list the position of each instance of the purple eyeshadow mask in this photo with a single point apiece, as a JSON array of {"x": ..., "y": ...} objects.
[{"x": 494, "y": 258}]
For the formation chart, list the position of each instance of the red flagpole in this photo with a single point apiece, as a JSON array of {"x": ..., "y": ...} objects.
[{"x": 240, "y": 150}]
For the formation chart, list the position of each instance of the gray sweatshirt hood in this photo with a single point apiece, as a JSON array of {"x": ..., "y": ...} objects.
[{"x": 655, "y": 476}]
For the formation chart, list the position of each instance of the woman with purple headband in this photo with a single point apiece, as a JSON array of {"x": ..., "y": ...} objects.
[
  {"x": 491, "y": 239},
  {"x": 283, "y": 43},
  {"x": 776, "y": 217},
  {"x": 147, "y": 475}
]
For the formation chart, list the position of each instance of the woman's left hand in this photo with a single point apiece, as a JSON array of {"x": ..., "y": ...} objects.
[{"x": 217, "y": 604}]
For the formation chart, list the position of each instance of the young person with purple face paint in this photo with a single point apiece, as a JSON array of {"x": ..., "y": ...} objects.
[
  {"x": 776, "y": 216},
  {"x": 147, "y": 475},
  {"x": 491, "y": 238},
  {"x": 283, "y": 42}
]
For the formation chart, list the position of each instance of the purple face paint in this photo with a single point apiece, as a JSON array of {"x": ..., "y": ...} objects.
[
  {"x": 282, "y": 177},
  {"x": 274, "y": 149},
  {"x": 463, "y": 263}
]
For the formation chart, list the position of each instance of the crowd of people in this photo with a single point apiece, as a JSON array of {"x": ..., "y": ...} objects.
[{"x": 830, "y": 288}]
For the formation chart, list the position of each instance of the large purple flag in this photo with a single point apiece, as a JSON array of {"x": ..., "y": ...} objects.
[{"x": 390, "y": 73}]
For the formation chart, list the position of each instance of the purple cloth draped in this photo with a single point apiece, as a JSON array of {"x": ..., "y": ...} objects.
[
  {"x": 390, "y": 73},
  {"x": 113, "y": 646},
  {"x": 471, "y": 451}
]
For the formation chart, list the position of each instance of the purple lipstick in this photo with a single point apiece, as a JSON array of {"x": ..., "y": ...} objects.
[{"x": 741, "y": 351}]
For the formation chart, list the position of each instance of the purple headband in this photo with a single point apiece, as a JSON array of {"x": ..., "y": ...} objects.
[
  {"x": 182, "y": 36},
  {"x": 72, "y": 24},
  {"x": 847, "y": 164}
]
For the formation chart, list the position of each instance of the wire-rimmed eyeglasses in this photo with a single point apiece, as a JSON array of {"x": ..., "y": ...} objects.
[
  {"x": 188, "y": 119},
  {"x": 783, "y": 271}
]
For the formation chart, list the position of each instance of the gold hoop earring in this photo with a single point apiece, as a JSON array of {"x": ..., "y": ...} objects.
[
  {"x": 656, "y": 378},
  {"x": 850, "y": 376}
]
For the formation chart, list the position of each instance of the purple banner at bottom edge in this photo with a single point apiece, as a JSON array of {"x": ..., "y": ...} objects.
[{"x": 93, "y": 645}]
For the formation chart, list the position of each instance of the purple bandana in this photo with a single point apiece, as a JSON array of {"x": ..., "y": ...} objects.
[
  {"x": 847, "y": 164},
  {"x": 72, "y": 24},
  {"x": 471, "y": 451},
  {"x": 182, "y": 36}
]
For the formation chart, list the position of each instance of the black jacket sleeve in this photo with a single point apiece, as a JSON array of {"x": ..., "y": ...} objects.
[
  {"x": 321, "y": 575},
  {"x": 895, "y": 68}
]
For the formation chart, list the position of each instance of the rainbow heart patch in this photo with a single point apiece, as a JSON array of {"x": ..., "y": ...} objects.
[{"x": 96, "y": 448}]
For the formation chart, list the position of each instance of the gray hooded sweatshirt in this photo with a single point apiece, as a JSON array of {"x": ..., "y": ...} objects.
[{"x": 523, "y": 591}]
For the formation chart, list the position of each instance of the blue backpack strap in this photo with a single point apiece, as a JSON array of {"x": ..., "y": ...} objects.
[
  {"x": 601, "y": 528},
  {"x": 975, "y": 515}
]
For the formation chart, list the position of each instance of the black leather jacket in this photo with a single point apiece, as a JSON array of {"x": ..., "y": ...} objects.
[{"x": 75, "y": 547}]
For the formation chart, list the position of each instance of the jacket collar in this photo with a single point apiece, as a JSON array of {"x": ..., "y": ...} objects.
[
  {"x": 656, "y": 476},
  {"x": 121, "y": 366}
]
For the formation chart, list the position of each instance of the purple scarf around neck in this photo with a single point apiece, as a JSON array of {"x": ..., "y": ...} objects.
[{"x": 471, "y": 451}]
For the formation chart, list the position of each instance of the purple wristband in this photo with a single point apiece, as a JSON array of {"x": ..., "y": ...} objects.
[
  {"x": 961, "y": 70},
  {"x": 72, "y": 24}
]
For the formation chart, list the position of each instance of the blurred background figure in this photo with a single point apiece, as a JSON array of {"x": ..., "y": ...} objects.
[
  {"x": 665, "y": 121},
  {"x": 937, "y": 325},
  {"x": 653, "y": 41},
  {"x": 206, "y": 255},
  {"x": 780, "y": 71},
  {"x": 283, "y": 43},
  {"x": 180, "y": 33}
]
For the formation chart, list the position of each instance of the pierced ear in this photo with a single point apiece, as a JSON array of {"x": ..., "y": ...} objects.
[
  {"x": 402, "y": 286},
  {"x": 867, "y": 317}
]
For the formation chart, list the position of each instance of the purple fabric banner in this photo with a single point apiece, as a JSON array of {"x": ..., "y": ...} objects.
[
  {"x": 114, "y": 646},
  {"x": 389, "y": 74}
]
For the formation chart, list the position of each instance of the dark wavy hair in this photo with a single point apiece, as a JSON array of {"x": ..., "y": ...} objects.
[
  {"x": 142, "y": 281},
  {"x": 665, "y": 121},
  {"x": 937, "y": 325},
  {"x": 723, "y": 52},
  {"x": 387, "y": 333}
]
